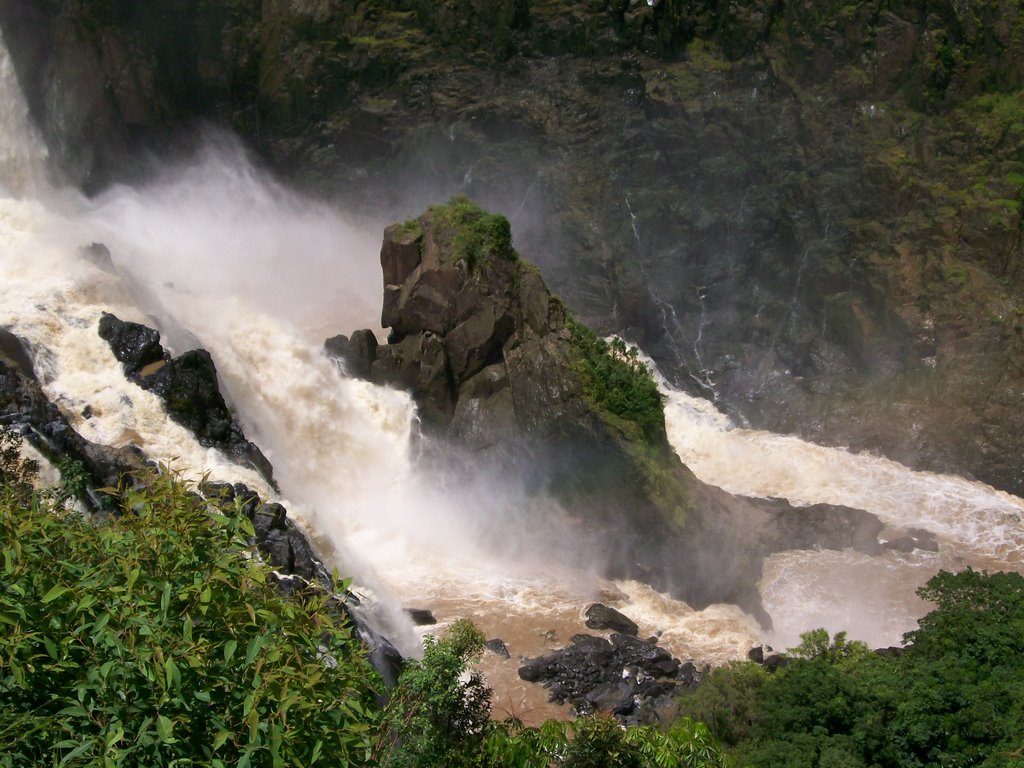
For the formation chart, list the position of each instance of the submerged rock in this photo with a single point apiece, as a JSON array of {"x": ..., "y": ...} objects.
[{"x": 421, "y": 617}]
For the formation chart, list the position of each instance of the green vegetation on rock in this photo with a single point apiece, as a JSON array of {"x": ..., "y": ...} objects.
[
  {"x": 617, "y": 383},
  {"x": 472, "y": 234}
]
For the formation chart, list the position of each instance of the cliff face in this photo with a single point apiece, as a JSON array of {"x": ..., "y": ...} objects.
[{"x": 810, "y": 211}]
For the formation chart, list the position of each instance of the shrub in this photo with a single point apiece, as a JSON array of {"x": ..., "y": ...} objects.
[
  {"x": 436, "y": 717},
  {"x": 617, "y": 382},
  {"x": 475, "y": 235},
  {"x": 157, "y": 639}
]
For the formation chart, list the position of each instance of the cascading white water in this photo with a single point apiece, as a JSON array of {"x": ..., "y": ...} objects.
[
  {"x": 873, "y": 597},
  {"x": 218, "y": 254},
  {"x": 22, "y": 154}
]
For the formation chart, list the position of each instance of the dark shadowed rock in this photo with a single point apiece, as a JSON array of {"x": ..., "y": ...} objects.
[
  {"x": 775, "y": 661},
  {"x": 421, "y": 617},
  {"x": 756, "y": 654},
  {"x": 358, "y": 353},
  {"x": 602, "y": 617},
  {"x": 14, "y": 353},
  {"x": 188, "y": 386},
  {"x": 337, "y": 346},
  {"x": 498, "y": 647},
  {"x": 135, "y": 346}
]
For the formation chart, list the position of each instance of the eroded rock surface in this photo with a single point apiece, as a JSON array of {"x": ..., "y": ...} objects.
[{"x": 810, "y": 212}]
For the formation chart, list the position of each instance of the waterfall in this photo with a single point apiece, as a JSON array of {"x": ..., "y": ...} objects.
[
  {"x": 22, "y": 153},
  {"x": 216, "y": 253}
]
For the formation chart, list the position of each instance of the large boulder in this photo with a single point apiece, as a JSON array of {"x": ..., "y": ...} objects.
[{"x": 507, "y": 381}]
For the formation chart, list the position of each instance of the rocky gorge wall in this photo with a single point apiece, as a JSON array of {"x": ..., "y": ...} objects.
[{"x": 809, "y": 211}]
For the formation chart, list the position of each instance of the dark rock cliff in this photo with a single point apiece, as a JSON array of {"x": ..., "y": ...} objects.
[{"x": 810, "y": 211}]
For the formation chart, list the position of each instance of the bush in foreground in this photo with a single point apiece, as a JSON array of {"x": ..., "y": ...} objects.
[
  {"x": 156, "y": 639},
  {"x": 953, "y": 698}
]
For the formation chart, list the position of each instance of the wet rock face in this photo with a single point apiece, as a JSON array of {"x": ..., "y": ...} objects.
[
  {"x": 465, "y": 314},
  {"x": 188, "y": 386},
  {"x": 25, "y": 408},
  {"x": 602, "y": 617},
  {"x": 513, "y": 399}
]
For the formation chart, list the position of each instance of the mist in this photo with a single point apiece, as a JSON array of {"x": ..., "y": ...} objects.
[{"x": 214, "y": 252}]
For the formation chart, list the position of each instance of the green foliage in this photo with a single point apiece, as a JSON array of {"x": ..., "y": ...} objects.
[
  {"x": 434, "y": 717},
  {"x": 727, "y": 701},
  {"x": 74, "y": 479},
  {"x": 953, "y": 699},
  {"x": 156, "y": 639},
  {"x": 474, "y": 235},
  {"x": 411, "y": 228},
  {"x": 686, "y": 744},
  {"x": 602, "y": 743},
  {"x": 16, "y": 472},
  {"x": 964, "y": 702},
  {"x": 816, "y": 644},
  {"x": 617, "y": 382}
]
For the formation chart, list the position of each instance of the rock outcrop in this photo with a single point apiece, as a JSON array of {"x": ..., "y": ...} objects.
[
  {"x": 507, "y": 382},
  {"x": 634, "y": 680},
  {"x": 188, "y": 386},
  {"x": 296, "y": 565},
  {"x": 25, "y": 409}
]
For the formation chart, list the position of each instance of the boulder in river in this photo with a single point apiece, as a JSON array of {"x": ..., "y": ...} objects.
[
  {"x": 507, "y": 382},
  {"x": 188, "y": 386},
  {"x": 600, "y": 616}
]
